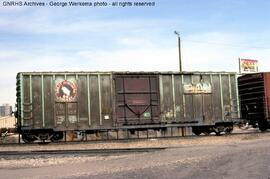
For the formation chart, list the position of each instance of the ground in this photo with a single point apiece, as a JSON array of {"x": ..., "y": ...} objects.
[{"x": 236, "y": 156}]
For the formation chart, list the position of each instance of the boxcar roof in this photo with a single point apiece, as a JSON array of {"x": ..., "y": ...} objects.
[{"x": 123, "y": 72}]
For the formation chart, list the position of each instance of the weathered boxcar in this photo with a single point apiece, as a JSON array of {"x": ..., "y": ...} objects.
[
  {"x": 49, "y": 103},
  {"x": 254, "y": 93}
]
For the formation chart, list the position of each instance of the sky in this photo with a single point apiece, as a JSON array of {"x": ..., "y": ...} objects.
[{"x": 214, "y": 34}]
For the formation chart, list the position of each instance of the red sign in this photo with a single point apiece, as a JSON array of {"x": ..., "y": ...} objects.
[{"x": 248, "y": 65}]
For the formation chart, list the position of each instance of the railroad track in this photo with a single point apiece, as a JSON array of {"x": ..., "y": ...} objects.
[
  {"x": 74, "y": 148},
  {"x": 80, "y": 151},
  {"x": 238, "y": 132}
]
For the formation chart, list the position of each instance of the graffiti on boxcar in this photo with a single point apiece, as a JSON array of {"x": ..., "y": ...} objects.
[{"x": 198, "y": 88}]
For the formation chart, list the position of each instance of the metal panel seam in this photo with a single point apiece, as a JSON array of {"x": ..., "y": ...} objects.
[
  {"x": 174, "y": 112},
  {"x": 266, "y": 110},
  {"x": 161, "y": 94},
  {"x": 237, "y": 97},
  {"x": 53, "y": 99},
  {"x": 22, "y": 94},
  {"x": 113, "y": 99},
  {"x": 212, "y": 101},
  {"x": 192, "y": 100},
  {"x": 221, "y": 96},
  {"x": 31, "y": 98},
  {"x": 230, "y": 87},
  {"x": 30, "y": 86},
  {"x": 184, "y": 100},
  {"x": 230, "y": 92},
  {"x": 99, "y": 98},
  {"x": 42, "y": 100},
  {"x": 88, "y": 101}
]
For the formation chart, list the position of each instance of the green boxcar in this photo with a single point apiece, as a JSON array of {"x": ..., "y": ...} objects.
[{"x": 49, "y": 103}]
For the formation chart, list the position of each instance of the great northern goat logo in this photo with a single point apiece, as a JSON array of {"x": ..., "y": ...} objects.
[{"x": 66, "y": 91}]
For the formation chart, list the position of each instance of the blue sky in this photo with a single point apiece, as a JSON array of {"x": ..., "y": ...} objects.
[{"x": 214, "y": 33}]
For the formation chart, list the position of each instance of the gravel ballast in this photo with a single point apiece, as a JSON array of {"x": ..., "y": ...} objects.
[{"x": 235, "y": 156}]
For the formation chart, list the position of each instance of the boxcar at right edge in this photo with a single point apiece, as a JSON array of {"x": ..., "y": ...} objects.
[{"x": 254, "y": 93}]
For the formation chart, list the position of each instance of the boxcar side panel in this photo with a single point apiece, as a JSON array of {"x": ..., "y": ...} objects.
[
  {"x": 226, "y": 96},
  {"x": 235, "y": 111},
  {"x": 37, "y": 101},
  {"x": 188, "y": 105},
  {"x": 168, "y": 101},
  {"x": 48, "y": 101},
  {"x": 197, "y": 100},
  {"x": 207, "y": 99},
  {"x": 66, "y": 101},
  {"x": 216, "y": 90},
  {"x": 83, "y": 101},
  {"x": 106, "y": 101},
  {"x": 59, "y": 107},
  {"x": 94, "y": 101},
  {"x": 27, "y": 102},
  {"x": 267, "y": 96},
  {"x": 179, "y": 106},
  {"x": 203, "y": 97}
]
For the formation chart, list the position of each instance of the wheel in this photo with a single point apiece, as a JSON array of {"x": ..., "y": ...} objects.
[
  {"x": 207, "y": 131},
  {"x": 217, "y": 133},
  {"x": 57, "y": 136},
  {"x": 228, "y": 130},
  {"x": 27, "y": 138},
  {"x": 263, "y": 125},
  {"x": 196, "y": 131}
]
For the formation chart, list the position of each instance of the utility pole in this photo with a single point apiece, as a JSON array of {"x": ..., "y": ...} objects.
[
  {"x": 239, "y": 64},
  {"x": 179, "y": 50}
]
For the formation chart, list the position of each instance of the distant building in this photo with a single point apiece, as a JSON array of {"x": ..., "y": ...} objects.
[{"x": 5, "y": 110}]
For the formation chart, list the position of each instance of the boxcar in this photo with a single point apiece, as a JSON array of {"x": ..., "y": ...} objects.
[
  {"x": 49, "y": 103},
  {"x": 254, "y": 93},
  {"x": 7, "y": 124}
]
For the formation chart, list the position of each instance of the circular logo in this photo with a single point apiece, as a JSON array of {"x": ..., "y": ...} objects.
[{"x": 66, "y": 91}]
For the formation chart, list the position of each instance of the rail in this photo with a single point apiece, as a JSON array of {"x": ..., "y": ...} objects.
[{"x": 79, "y": 151}]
